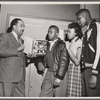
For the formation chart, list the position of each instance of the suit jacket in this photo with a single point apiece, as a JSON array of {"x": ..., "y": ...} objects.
[{"x": 12, "y": 62}]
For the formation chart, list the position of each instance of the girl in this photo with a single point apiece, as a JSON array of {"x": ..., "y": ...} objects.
[{"x": 74, "y": 49}]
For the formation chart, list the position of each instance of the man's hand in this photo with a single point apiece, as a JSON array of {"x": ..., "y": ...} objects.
[
  {"x": 56, "y": 83},
  {"x": 41, "y": 67},
  {"x": 21, "y": 48},
  {"x": 32, "y": 54},
  {"x": 93, "y": 81}
]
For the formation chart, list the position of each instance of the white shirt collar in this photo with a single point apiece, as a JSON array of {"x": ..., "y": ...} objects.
[
  {"x": 74, "y": 39},
  {"x": 52, "y": 43},
  {"x": 15, "y": 35}
]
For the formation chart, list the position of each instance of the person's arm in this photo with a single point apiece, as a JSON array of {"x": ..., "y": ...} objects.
[
  {"x": 95, "y": 44},
  {"x": 96, "y": 36},
  {"x": 40, "y": 64},
  {"x": 63, "y": 65}
]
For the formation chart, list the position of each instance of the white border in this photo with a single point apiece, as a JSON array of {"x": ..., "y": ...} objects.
[
  {"x": 50, "y": 3},
  {"x": 33, "y": 2}
]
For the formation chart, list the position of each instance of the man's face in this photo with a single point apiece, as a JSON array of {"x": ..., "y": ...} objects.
[
  {"x": 81, "y": 19},
  {"x": 19, "y": 28},
  {"x": 52, "y": 33}
]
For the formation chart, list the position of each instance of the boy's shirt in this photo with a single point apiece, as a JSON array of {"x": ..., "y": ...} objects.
[{"x": 52, "y": 43}]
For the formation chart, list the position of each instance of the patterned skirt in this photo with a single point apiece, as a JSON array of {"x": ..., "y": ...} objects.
[{"x": 74, "y": 81}]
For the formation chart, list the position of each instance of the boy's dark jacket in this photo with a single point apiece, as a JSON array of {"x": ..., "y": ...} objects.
[{"x": 61, "y": 59}]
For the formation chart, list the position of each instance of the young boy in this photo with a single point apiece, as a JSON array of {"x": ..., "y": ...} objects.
[{"x": 56, "y": 61}]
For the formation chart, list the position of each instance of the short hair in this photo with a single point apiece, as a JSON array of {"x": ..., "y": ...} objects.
[
  {"x": 55, "y": 27},
  {"x": 13, "y": 22},
  {"x": 77, "y": 28},
  {"x": 83, "y": 11}
]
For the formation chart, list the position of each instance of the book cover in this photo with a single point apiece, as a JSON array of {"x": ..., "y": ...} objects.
[{"x": 40, "y": 46}]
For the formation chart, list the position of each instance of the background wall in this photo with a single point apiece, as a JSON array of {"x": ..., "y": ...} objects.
[{"x": 50, "y": 11}]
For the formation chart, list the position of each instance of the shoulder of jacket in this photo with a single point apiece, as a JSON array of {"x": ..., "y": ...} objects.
[
  {"x": 4, "y": 34},
  {"x": 60, "y": 41},
  {"x": 97, "y": 23}
]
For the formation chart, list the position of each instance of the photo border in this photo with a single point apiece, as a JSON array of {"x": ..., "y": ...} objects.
[{"x": 50, "y": 2}]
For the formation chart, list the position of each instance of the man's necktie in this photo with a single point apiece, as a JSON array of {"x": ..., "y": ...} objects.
[{"x": 19, "y": 40}]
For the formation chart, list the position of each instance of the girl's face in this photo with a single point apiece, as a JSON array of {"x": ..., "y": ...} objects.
[{"x": 71, "y": 33}]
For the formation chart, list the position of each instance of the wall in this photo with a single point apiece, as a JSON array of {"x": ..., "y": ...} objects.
[{"x": 49, "y": 11}]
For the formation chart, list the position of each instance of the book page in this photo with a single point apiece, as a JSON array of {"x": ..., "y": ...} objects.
[{"x": 28, "y": 42}]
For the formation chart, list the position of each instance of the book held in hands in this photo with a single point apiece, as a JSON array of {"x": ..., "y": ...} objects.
[{"x": 38, "y": 46}]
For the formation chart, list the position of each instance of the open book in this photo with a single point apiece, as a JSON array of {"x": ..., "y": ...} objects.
[{"x": 38, "y": 46}]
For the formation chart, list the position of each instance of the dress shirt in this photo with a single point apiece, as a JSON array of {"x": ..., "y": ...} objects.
[
  {"x": 15, "y": 35},
  {"x": 52, "y": 43}
]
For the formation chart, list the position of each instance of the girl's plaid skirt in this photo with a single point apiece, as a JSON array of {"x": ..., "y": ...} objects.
[{"x": 74, "y": 81}]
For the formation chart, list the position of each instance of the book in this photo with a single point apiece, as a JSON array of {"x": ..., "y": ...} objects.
[
  {"x": 28, "y": 42},
  {"x": 38, "y": 46}
]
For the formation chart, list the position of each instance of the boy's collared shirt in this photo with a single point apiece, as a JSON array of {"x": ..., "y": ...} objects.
[{"x": 52, "y": 43}]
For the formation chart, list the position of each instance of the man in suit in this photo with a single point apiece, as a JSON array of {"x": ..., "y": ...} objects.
[{"x": 12, "y": 60}]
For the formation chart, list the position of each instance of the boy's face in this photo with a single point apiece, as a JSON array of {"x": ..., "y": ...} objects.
[
  {"x": 81, "y": 19},
  {"x": 19, "y": 28},
  {"x": 52, "y": 34}
]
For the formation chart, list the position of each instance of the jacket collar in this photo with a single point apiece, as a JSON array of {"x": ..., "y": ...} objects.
[
  {"x": 55, "y": 44},
  {"x": 91, "y": 23},
  {"x": 13, "y": 39}
]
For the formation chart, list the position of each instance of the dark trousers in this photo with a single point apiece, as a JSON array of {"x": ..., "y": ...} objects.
[
  {"x": 47, "y": 89},
  {"x": 9, "y": 89},
  {"x": 86, "y": 90}
]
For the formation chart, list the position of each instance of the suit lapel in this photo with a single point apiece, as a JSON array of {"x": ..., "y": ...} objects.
[{"x": 13, "y": 39}]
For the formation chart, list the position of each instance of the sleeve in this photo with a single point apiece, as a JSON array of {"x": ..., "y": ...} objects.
[
  {"x": 96, "y": 65},
  {"x": 63, "y": 62},
  {"x": 79, "y": 43},
  {"x": 5, "y": 51}
]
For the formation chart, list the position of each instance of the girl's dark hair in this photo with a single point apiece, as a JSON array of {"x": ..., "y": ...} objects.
[
  {"x": 77, "y": 28},
  {"x": 14, "y": 22}
]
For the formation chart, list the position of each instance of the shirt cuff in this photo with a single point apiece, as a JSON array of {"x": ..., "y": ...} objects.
[
  {"x": 94, "y": 72},
  {"x": 59, "y": 77}
]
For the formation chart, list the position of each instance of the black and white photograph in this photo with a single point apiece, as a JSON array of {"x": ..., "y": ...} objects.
[{"x": 50, "y": 50}]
